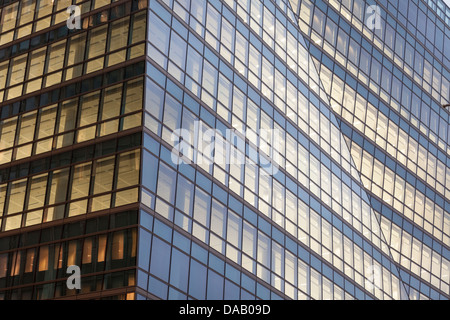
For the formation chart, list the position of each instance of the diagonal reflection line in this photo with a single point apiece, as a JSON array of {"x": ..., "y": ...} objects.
[{"x": 404, "y": 292}]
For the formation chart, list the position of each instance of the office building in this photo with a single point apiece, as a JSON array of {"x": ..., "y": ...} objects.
[{"x": 235, "y": 149}]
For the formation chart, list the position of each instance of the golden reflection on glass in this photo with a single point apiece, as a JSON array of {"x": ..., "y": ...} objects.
[
  {"x": 58, "y": 186},
  {"x": 15, "y": 265},
  {"x": 3, "y": 264},
  {"x": 8, "y": 19},
  {"x": 43, "y": 258},
  {"x": 118, "y": 245},
  {"x": 7, "y": 132},
  {"x": 103, "y": 176}
]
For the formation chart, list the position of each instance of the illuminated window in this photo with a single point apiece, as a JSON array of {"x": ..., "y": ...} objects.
[
  {"x": 101, "y": 249},
  {"x": 80, "y": 181}
]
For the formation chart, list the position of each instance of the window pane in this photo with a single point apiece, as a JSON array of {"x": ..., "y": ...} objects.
[
  {"x": 97, "y": 42},
  {"x": 44, "y": 7},
  {"x": 178, "y": 272},
  {"x": 184, "y": 195},
  {"x": 119, "y": 34},
  {"x": 3, "y": 73},
  {"x": 3, "y": 264},
  {"x": 154, "y": 98},
  {"x": 101, "y": 248},
  {"x": 80, "y": 181},
  {"x": 29, "y": 261},
  {"x": 58, "y": 187},
  {"x": 202, "y": 207},
  {"x": 76, "y": 55},
  {"x": 166, "y": 183},
  {"x": 43, "y": 258},
  {"x": 128, "y": 169},
  {"x": 37, "y": 191},
  {"x": 17, "y": 69},
  {"x": 159, "y": 33},
  {"x": 47, "y": 118},
  {"x": 27, "y": 125},
  {"x": 17, "y": 196},
  {"x": 2, "y": 197},
  {"x": 87, "y": 251},
  {"x": 104, "y": 172},
  {"x": 172, "y": 113},
  {"x": 8, "y": 20},
  {"x": 139, "y": 23},
  {"x": 72, "y": 255}
]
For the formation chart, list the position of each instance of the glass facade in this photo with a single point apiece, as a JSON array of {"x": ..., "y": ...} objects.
[
  {"x": 235, "y": 149},
  {"x": 386, "y": 87},
  {"x": 71, "y": 102}
]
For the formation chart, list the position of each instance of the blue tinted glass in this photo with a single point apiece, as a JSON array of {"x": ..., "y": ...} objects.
[
  {"x": 262, "y": 292},
  {"x": 215, "y": 286},
  {"x": 178, "y": 270},
  {"x": 197, "y": 280},
  {"x": 176, "y": 295},
  {"x": 142, "y": 279},
  {"x": 145, "y": 243},
  {"x": 185, "y": 195},
  {"x": 231, "y": 291},
  {"x": 149, "y": 171},
  {"x": 157, "y": 287}
]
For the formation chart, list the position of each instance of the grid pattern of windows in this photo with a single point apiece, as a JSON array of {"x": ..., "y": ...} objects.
[
  {"x": 70, "y": 191},
  {"x": 82, "y": 53},
  {"x": 172, "y": 266},
  {"x": 97, "y": 114},
  {"x": 233, "y": 71},
  {"x": 22, "y": 18},
  {"x": 97, "y": 245},
  {"x": 388, "y": 76},
  {"x": 71, "y": 105},
  {"x": 379, "y": 83}
]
